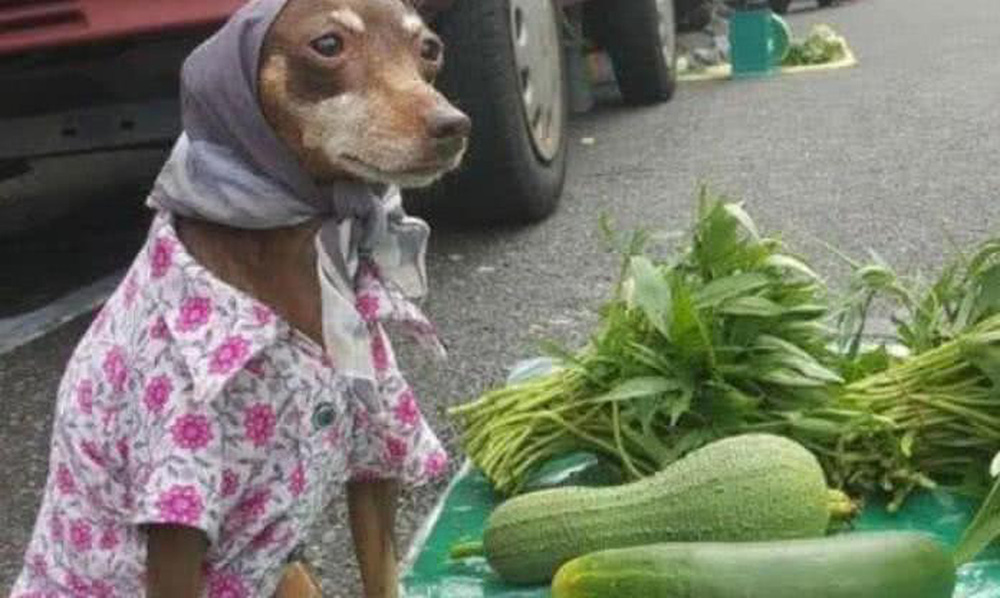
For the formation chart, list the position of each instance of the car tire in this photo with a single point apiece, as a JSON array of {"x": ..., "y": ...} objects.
[
  {"x": 780, "y": 6},
  {"x": 640, "y": 36},
  {"x": 515, "y": 167}
]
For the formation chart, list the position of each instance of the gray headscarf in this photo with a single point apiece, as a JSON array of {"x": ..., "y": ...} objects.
[{"x": 230, "y": 167}]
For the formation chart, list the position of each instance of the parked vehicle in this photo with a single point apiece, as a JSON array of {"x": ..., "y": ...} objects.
[{"x": 83, "y": 76}]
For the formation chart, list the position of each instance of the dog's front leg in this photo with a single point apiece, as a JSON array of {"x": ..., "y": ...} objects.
[{"x": 372, "y": 508}]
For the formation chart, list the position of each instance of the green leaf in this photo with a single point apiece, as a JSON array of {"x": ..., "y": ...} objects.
[
  {"x": 728, "y": 288},
  {"x": 652, "y": 293},
  {"x": 807, "y": 310},
  {"x": 718, "y": 243},
  {"x": 985, "y": 528},
  {"x": 794, "y": 357},
  {"x": 752, "y": 306},
  {"x": 725, "y": 405},
  {"x": 650, "y": 358},
  {"x": 866, "y": 363},
  {"x": 815, "y": 425},
  {"x": 646, "y": 408},
  {"x": 805, "y": 333},
  {"x": 985, "y": 356},
  {"x": 786, "y": 262},
  {"x": 644, "y": 386},
  {"x": 987, "y": 299},
  {"x": 679, "y": 405},
  {"x": 985, "y": 252},
  {"x": 786, "y": 376},
  {"x": 687, "y": 331},
  {"x": 737, "y": 212}
]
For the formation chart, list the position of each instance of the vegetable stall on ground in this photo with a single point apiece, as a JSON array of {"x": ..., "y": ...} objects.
[{"x": 733, "y": 334}]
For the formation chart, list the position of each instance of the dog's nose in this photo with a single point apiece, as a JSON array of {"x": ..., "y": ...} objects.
[{"x": 445, "y": 123}]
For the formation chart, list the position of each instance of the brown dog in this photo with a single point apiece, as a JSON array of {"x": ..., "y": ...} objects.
[{"x": 348, "y": 86}]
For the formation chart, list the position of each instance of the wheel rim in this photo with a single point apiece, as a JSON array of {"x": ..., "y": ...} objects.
[
  {"x": 534, "y": 26},
  {"x": 668, "y": 30}
]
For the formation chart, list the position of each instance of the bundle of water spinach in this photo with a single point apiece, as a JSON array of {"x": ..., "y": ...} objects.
[{"x": 725, "y": 336}]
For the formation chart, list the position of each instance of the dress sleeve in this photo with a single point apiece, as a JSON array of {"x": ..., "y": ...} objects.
[{"x": 179, "y": 459}]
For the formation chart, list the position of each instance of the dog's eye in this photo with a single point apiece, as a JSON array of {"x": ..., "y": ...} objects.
[
  {"x": 431, "y": 50},
  {"x": 328, "y": 45}
]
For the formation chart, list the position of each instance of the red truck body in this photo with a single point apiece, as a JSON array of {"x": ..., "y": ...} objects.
[
  {"x": 42, "y": 24},
  {"x": 27, "y": 25}
]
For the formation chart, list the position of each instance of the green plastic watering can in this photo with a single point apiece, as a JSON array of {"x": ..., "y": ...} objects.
[{"x": 758, "y": 39}]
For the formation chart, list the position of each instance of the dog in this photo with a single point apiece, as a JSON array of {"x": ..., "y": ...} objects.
[{"x": 177, "y": 469}]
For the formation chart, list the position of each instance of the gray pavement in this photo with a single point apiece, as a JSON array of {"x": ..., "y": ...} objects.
[{"x": 901, "y": 154}]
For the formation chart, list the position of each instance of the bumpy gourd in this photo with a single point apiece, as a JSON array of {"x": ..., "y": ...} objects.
[{"x": 744, "y": 488}]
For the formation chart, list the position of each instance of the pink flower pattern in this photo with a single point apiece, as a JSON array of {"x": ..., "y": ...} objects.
[
  {"x": 37, "y": 565},
  {"x": 263, "y": 315},
  {"x": 367, "y": 305},
  {"x": 259, "y": 422},
  {"x": 192, "y": 431},
  {"x": 56, "y": 528},
  {"x": 163, "y": 257},
  {"x": 226, "y": 585},
  {"x": 90, "y": 449},
  {"x": 78, "y": 585},
  {"x": 108, "y": 540},
  {"x": 396, "y": 449},
  {"x": 163, "y": 403},
  {"x": 250, "y": 509},
  {"x": 101, "y": 589},
  {"x": 85, "y": 396},
  {"x": 181, "y": 504},
  {"x": 195, "y": 312},
  {"x": 230, "y": 483},
  {"x": 406, "y": 410},
  {"x": 64, "y": 479},
  {"x": 264, "y": 538},
  {"x": 123, "y": 449},
  {"x": 435, "y": 464},
  {"x": 157, "y": 393},
  {"x": 380, "y": 354},
  {"x": 159, "y": 330},
  {"x": 114, "y": 369},
  {"x": 229, "y": 355},
  {"x": 80, "y": 536}
]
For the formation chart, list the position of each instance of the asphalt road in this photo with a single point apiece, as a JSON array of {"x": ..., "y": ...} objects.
[{"x": 900, "y": 154}]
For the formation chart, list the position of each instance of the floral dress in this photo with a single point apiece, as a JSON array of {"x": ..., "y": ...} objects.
[{"x": 188, "y": 402}]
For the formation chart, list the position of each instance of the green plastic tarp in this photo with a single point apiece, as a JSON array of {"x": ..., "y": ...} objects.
[{"x": 469, "y": 500}]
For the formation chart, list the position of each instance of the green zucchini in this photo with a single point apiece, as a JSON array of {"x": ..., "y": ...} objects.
[
  {"x": 862, "y": 565},
  {"x": 744, "y": 488}
]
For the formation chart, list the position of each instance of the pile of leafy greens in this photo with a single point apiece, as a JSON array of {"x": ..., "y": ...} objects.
[
  {"x": 732, "y": 333},
  {"x": 725, "y": 338},
  {"x": 822, "y": 46}
]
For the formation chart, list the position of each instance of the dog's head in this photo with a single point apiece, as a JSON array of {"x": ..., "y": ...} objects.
[{"x": 348, "y": 85}]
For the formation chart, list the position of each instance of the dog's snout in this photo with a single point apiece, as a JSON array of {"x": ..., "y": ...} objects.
[{"x": 447, "y": 122}]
